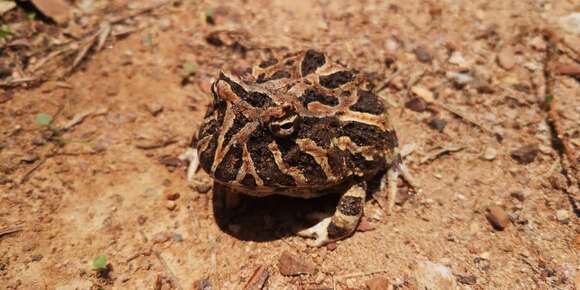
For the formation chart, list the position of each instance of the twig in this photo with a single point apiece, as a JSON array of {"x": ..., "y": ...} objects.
[
  {"x": 388, "y": 81},
  {"x": 465, "y": 117},
  {"x": 10, "y": 230},
  {"x": 562, "y": 144},
  {"x": 434, "y": 154},
  {"x": 360, "y": 274},
  {"x": 172, "y": 276}
]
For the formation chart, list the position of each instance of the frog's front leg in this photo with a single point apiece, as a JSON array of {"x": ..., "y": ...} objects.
[
  {"x": 397, "y": 168},
  {"x": 344, "y": 221}
]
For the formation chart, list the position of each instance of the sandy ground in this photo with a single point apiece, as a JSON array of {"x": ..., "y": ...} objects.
[{"x": 103, "y": 186}]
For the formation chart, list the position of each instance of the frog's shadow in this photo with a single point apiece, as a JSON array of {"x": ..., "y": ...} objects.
[
  {"x": 273, "y": 217},
  {"x": 266, "y": 218}
]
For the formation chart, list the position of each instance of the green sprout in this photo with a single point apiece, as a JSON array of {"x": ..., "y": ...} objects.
[
  {"x": 5, "y": 31},
  {"x": 189, "y": 69},
  {"x": 548, "y": 101},
  {"x": 43, "y": 119},
  {"x": 100, "y": 263}
]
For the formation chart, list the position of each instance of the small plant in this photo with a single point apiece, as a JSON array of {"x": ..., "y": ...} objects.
[
  {"x": 43, "y": 119},
  {"x": 100, "y": 263},
  {"x": 5, "y": 31},
  {"x": 188, "y": 69}
]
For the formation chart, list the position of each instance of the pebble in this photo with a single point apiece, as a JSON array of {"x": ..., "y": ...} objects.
[
  {"x": 422, "y": 92},
  {"x": 154, "y": 108},
  {"x": 489, "y": 154},
  {"x": 416, "y": 104},
  {"x": 292, "y": 265},
  {"x": 331, "y": 246},
  {"x": 519, "y": 195},
  {"x": 497, "y": 217},
  {"x": 457, "y": 58},
  {"x": 29, "y": 158},
  {"x": 377, "y": 283},
  {"x": 525, "y": 154},
  {"x": 423, "y": 54},
  {"x": 437, "y": 124},
  {"x": 563, "y": 216},
  {"x": 365, "y": 226},
  {"x": 203, "y": 187},
  {"x": 170, "y": 205},
  {"x": 164, "y": 24},
  {"x": 458, "y": 78},
  {"x": 571, "y": 23},
  {"x": 467, "y": 280},
  {"x": 434, "y": 276},
  {"x": 506, "y": 58},
  {"x": 160, "y": 237},
  {"x": 202, "y": 284},
  {"x": 171, "y": 195}
]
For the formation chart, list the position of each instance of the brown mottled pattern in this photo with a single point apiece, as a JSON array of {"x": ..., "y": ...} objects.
[{"x": 342, "y": 132}]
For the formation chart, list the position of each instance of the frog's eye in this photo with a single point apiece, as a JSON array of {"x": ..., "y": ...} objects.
[{"x": 285, "y": 126}]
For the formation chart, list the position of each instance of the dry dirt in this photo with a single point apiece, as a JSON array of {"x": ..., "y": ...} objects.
[{"x": 102, "y": 186}]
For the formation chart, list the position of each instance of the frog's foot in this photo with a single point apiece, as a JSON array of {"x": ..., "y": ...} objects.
[
  {"x": 398, "y": 168},
  {"x": 190, "y": 155},
  {"x": 344, "y": 221}
]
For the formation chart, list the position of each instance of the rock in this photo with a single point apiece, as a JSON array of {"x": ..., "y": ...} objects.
[
  {"x": 489, "y": 154},
  {"x": 292, "y": 265},
  {"x": 365, "y": 226},
  {"x": 506, "y": 58},
  {"x": 160, "y": 237},
  {"x": 497, "y": 217},
  {"x": 563, "y": 216},
  {"x": 171, "y": 195},
  {"x": 467, "y": 280},
  {"x": 423, "y": 55},
  {"x": 164, "y": 23},
  {"x": 29, "y": 158},
  {"x": 525, "y": 154},
  {"x": 170, "y": 161},
  {"x": 571, "y": 23},
  {"x": 154, "y": 108},
  {"x": 437, "y": 124},
  {"x": 457, "y": 58},
  {"x": 433, "y": 276},
  {"x": 519, "y": 195},
  {"x": 57, "y": 10},
  {"x": 202, "y": 284},
  {"x": 377, "y": 283},
  {"x": 203, "y": 187},
  {"x": 459, "y": 79},
  {"x": 422, "y": 92},
  {"x": 416, "y": 104},
  {"x": 331, "y": 246},
  {"x": 170, "y": 205}
]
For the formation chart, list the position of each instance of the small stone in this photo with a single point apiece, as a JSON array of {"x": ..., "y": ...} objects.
[
  {"x": 489, "y": 154},
  {"x": 164, "y": 24},
  {"x": 292, "y": 265},
  {"x": 437, "y": 124},
  {"x": 141, "y": 220},
  {"x": 416, "y": 104},
  {"x": 422, "y": 92},
  {"x": 170, "y": 205},
  {"x": 434, "y": 276},
  {"x": 423, "y": 54},
  {"x": 160, "y": 237},
  {"x": 154, "y": 108},
  {"x": 497, "y": 217},
  {"x": 170, "y": 161},
  {"x": 377, "y": 283},
  {"x": 258, "y": 279},
  {"x": 459, "y": 79},
  {"x": 29, "y": 158},
  {"x": 169, "y": 195},
  {"x": 519, "y": 195},
  {"x": 331, "y": 246},
  {"x": 203, "y": 187},
  {"x": 36, "y": 258},
  {"x": 365, "y": 226},
  {"x": 525, "y": 154},
  {"x": 563, "y": 216},
  {"x": 506, "y": 58},
  {"x": 467, "y": 280},
  {"x": 202, "y": 284},
  {"x": 457, "y": 58},
  {"x": 571, "y": 23}
]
